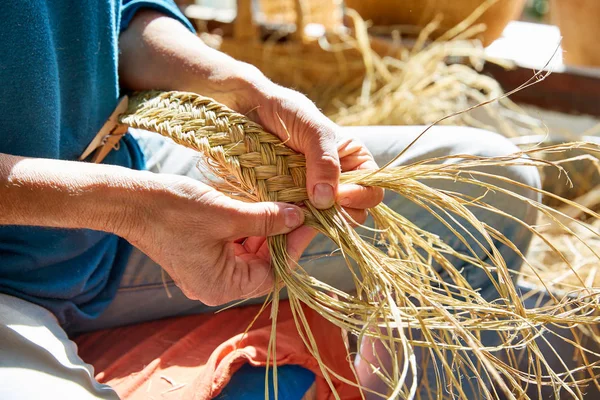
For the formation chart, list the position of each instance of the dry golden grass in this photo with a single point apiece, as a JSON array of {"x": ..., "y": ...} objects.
[
  {"x": 359, "y": 79},
  {"x": 580, "y": 182}
]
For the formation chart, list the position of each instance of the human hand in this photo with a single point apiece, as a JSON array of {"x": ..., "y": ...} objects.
[
  {"x": 157, "y": 52},
  {"x": 194, "y": 232},
  {"x": 297, "y": 121}
]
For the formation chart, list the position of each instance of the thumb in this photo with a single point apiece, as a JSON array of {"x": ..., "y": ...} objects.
[
  {"x": 322, "y": 168},
  {"x": 265, "y": 219}
]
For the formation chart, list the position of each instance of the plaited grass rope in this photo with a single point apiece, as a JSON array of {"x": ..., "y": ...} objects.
[{"x": 397, "y": 288}]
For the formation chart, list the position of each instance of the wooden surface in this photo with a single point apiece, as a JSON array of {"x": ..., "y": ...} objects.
[
  {"x": 532, "y": 46},
  {"x": 422, "y": 12},
  {"x": 568, "y": 90},
  {"x": 571, "y": 91}
]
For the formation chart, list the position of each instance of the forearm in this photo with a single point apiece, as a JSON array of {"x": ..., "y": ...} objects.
[
  {"x": 68, "y": 194},
  {"x": 158, "y": 52}
]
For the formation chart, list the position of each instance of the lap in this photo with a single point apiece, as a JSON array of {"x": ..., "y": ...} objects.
[
  {"x": 145, "y": 283},
  {"x": 34, "y": 349},
  {"x": 37, "y": 359}
]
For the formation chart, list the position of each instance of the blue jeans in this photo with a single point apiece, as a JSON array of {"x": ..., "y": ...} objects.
[{"x": 145, "y": 283}]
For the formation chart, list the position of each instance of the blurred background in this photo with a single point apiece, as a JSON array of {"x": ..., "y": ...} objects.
[
  {"x": 574, "y": 20},
  {"x": 553, "y": 35}
]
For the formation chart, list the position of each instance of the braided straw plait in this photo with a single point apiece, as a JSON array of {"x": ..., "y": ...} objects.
[{"x": 238, "y": 150}]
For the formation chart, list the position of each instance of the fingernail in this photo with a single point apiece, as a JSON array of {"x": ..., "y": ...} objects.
[
  {"x": 292, "y": 217},
  {"x": 344, "y": 202},
  {"x": 323, "y": 195}
]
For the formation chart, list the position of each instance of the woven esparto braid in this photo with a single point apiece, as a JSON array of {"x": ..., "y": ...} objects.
[{"x": 255, "y": 162}]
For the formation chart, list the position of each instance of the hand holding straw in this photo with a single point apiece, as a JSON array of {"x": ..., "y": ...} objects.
[{"x": 397, "y": 289}]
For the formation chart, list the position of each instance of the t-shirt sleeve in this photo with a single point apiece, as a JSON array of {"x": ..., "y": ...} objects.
[{"x": 167, "y": 7}]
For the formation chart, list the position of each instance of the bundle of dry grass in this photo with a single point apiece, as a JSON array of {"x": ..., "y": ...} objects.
[
  {"x": 401, "y": 299},
  {"x": 425, "y": 82},
  {"x": 359, "y": 79},
  {"x": 579, "y": 244},
  {"x": 579, "y": 247},
  {"x": 549, "y": 278},
  {"x": 577, "y": 180}
]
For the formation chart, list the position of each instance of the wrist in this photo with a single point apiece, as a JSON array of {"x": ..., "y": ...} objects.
[
  {"x": 121, "y": 208},
  {"x": 238, "y": 85}
]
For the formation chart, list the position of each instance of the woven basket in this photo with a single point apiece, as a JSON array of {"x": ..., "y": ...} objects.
[
  {"x": 420, "y": 12},
  {"x": 296, "y": 59},
  {"x": 327, "y": 13}
]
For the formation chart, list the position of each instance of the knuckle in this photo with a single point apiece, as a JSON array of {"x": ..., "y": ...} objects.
[
  {"x": 327, "y": 135},
  {"x": 343, "y": 145},
  {"x": 357, "y": 142},
  {"x": 350, "y": 143},
  {"x": 329, "y": 161}
]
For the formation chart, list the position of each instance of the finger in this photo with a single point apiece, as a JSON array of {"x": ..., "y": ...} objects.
[
  {"x": 239, "y": 249},
  {"x": 354, "y": 162},
  {"x": 354, "y": 155},
  {"x": 253, "y": 244},
  {"x": 253, "y": 276},
  {"x": 298, "y": 241},
  {"x": 246, "y": 275},
  {"x": 322, "y": 166},
  {"x": 314, "y": 135},
  {"x": 262, "y": 219},
  {"x": 238, "y": 275},
  {"x": 358, "y": 216},
  {"x": 356, "y": 196}
]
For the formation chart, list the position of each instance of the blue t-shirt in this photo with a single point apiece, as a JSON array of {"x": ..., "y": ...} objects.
[{"x": 58, "y": 85}]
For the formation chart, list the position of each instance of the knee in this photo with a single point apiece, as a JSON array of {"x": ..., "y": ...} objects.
[
  {"x": 484, "y": 143},
  {"x": 525, "y": 182}
]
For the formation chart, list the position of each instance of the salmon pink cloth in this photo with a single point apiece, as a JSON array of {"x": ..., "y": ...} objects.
[{"x": 194, "y": 357}]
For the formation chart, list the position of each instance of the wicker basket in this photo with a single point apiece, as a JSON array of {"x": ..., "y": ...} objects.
[
  {"x": 326, "y": 13},
  {"x": 294, "y": 58},
  {"x": 420, "y": 12}
]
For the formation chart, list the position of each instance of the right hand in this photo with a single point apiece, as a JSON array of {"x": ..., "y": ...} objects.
[{"x": 213, "y": 247}]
